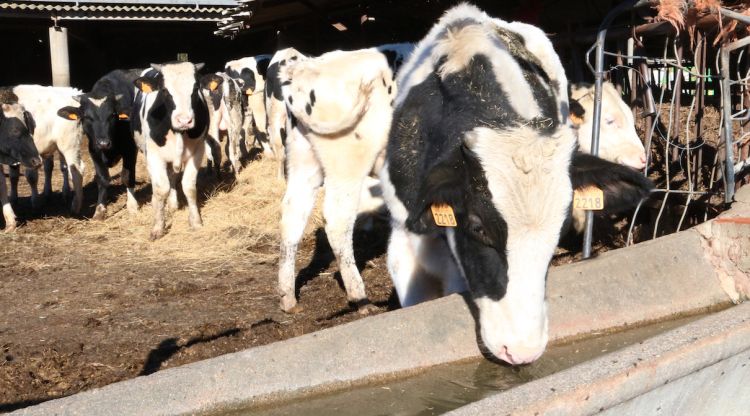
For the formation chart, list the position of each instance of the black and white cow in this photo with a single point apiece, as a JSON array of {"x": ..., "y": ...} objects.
[
  {"x": 169, "y": 122},
  {"x": 276, "y": 112},
  {"x": 250, "y": 74},
  {"x": 53, "y": 134},
  {"x": 105, "y": 115},
  {"x": 226, "y": 118},
  {"x": 340, "y": 109},
  {"x": 16, "y": 146},
  {"x": 480, "y": 133}
]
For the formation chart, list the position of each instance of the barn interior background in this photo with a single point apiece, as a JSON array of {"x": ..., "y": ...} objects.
[{"x": 682, "y": 66}]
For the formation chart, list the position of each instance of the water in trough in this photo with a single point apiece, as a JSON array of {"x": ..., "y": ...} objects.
[{"x": 444, "y": 388}]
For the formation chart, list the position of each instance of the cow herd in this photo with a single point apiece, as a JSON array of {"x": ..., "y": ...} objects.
[{"x": 472, "y": 139}]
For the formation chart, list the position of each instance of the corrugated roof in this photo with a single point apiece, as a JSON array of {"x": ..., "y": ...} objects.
[{"x": 172, "y": 10}]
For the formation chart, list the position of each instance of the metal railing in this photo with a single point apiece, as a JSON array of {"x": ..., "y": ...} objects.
[{"x": 689, "y": 159}]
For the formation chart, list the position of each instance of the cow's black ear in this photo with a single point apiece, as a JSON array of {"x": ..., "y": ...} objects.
[
  {"x": 623, "y": 187},
  {"x": 147, "y": 84},
  {"x": 30, "y": 123},
  {"x": 576, "y": 112},
  {"x": 211, "y": 82},
  {"x": 445, "y": 184},
  {"x": 70, "y": 113}
]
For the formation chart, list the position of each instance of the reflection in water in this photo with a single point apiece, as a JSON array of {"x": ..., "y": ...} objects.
[{"x": 444, "y": 388}]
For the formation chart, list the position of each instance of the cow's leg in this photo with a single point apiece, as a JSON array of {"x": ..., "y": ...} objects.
[
  {"x": 213, "y": 152},
  {"x": 340, "y": 212},
  {"x": 48, "y": 165},
  {"x": 71, "y": 162},
  {"x": 305, "y": 178},
  {"x": 157, "y": 170},
  {"x": 8, "y": 214},
  {"x": 174, "y": 203},
  {"x": 233, "y": 143},
  {"x": 127, "y": 176},
  {"x": 32, "y": 177},
  {"x": 102, "y": 184},
  {"x": 64, "y": 171},
  {"x": 189, "y": 178},
  {"x": 14, "y": 173},
  {"x": 412, "y": 283}
]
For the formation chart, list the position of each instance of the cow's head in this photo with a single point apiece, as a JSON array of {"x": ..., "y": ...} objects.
[
  {"x": 99, "y": 116},
  {"x": 511, "y": 192},
  {"x": 16, "y": 130},
  {"x": 618, "y": 140},
  {"x": 177, "y": 87}
]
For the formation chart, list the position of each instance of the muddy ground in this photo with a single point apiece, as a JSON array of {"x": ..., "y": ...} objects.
[{"x": 87, "y": 303}]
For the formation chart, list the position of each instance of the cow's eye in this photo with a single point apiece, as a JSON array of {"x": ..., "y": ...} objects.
[
  {"x": 609, "y": 120},
  {"x": 477, "y": 230}
]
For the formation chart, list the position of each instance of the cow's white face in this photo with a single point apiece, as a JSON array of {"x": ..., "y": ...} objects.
[
  {"x": 528, "y": 178},
  {"x": 180, "y": 83},
  {"x": 618, "y": 140}
]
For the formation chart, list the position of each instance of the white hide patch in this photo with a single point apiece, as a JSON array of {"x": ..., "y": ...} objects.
[
  {"x": 528, "y": 177},
  {"x": 97, "y": 102},
  {"x": 179, "y": 80}
]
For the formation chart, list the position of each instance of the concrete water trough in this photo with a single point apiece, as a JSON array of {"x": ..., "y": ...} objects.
[{"x": 688, "y": 370}]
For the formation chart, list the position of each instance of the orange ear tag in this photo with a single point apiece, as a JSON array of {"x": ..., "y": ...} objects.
[
  {"x": 249, "y": 92},
  {"x": 589, "y": 198},
  {"x": 123, "y": 116},
  {"x": 212, "y": 85},
  {"x": 146, "y": 88},
  {"x": 443, "y": 215},
  {"x": 72, "y": 116}
]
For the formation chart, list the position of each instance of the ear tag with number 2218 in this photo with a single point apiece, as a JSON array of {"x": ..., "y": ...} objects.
[
  {"x": 443, "y": 215},
  {"x": 589, "y": 198}
]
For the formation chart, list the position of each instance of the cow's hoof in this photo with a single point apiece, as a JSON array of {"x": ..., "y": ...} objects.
[
  {"x": 366, "y": 308},
  {"x": 156, "y": 234},
  {"x": 195, "y": 224},
  {"x": 100, "y": 213},
  {"x": 289, "y": 305},
  {"x": 132, "y": 207},
  {"x": 10, "y": 228}
]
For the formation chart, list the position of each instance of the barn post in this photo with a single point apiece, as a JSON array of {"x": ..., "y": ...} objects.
[{"x": 58, "y": 51}]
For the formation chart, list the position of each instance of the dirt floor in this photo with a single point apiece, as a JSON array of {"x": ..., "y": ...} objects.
[{"x": 87, "y": 303}]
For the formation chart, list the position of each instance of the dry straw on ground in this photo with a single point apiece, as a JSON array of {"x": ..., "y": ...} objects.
[{"x": 239, "y": 219}]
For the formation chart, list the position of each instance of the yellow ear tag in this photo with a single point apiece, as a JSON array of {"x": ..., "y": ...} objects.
[
  {"x": 577, "y": 121},
  {"x": 123, "y": 116},
  {"x": 146, "y": 88},
  {"x": 212, "y": 85},
  {"x": 443, "y": 215},
  {"x": 249, "y": 92},
  {"x": 589, "y": 198},
  {"x": 72, "y": 116}
]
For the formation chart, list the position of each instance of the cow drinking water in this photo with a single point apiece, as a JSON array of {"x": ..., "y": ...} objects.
[{"x": 480, "y": 171}]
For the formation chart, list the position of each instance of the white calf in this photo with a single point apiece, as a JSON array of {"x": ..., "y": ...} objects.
[{"x": 340, "y": 110}]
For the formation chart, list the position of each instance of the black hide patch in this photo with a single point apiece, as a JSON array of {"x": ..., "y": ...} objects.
[{"x": 273, "y": 83}]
